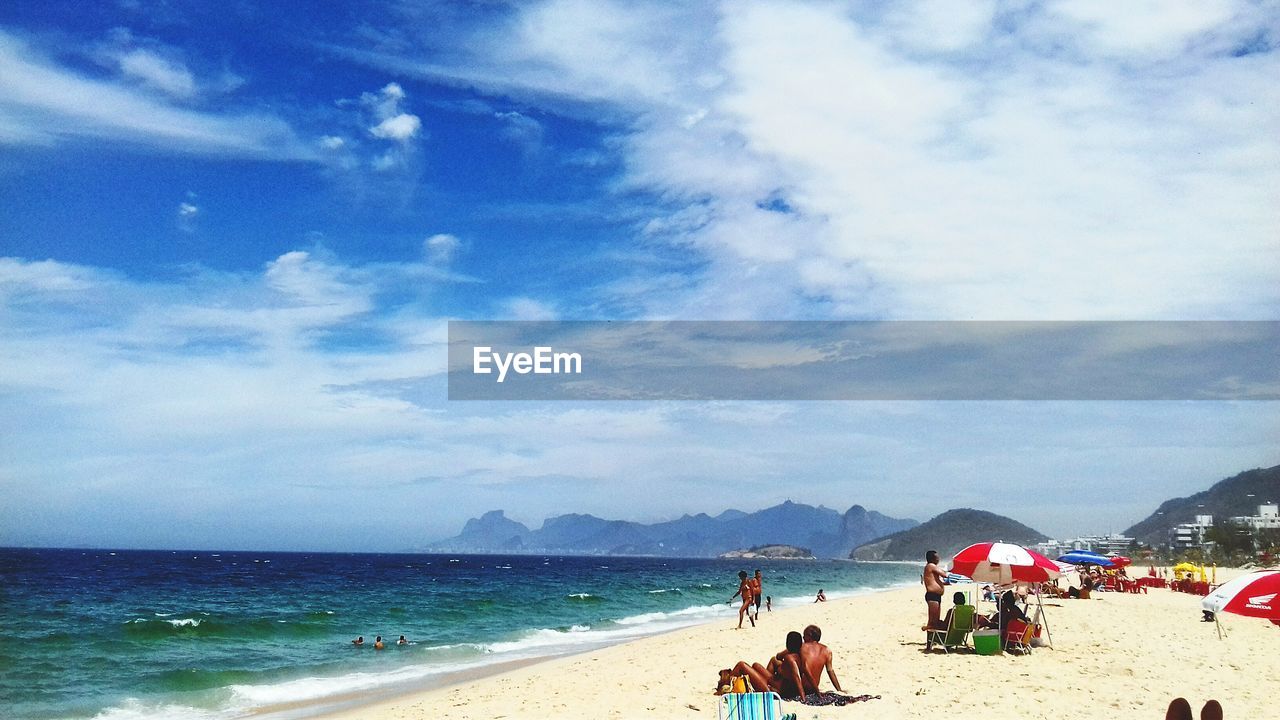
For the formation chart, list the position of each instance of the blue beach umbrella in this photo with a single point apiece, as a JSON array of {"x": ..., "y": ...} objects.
[{"x": 1084, "y": 557}]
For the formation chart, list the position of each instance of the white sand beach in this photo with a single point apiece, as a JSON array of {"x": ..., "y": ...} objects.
[{"x": 1115, "y": 655}]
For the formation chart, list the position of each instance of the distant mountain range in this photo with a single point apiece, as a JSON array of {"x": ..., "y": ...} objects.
[
  {"x": 826, "y": 532},
  {"x": 857, "y": 533},
  {"x": 1237, "y": 495},
  {"x": 948, "y": 533}
]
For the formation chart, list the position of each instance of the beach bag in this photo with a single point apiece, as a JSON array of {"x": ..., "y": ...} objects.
[{"x": 740, "y": 685}]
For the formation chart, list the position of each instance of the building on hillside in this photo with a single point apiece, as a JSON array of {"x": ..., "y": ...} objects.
[
  {"x": 1186, "y": 536},
  {"x": 1051, "y": 548},
  {"x": 1102, "y": 544},
  {"x": 1268, "y": 518}
]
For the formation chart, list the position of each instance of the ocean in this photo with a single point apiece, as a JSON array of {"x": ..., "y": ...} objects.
[{"x": 199, "y": 635}]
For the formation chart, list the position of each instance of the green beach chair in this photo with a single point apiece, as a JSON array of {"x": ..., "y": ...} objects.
[
  {"x": 751, "y": 706},
  {"x": 957, "y": 632}
]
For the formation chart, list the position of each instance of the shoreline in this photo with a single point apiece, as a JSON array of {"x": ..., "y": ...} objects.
[
  {"x": 348, "y": 703},
  {"x": 1120, "y": 653}
]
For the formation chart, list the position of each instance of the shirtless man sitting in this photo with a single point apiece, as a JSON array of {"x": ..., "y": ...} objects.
[{"x": 814, "y": 657}]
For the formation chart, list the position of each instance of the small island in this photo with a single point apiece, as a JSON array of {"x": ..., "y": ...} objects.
[{"x": 770, "y": 552}]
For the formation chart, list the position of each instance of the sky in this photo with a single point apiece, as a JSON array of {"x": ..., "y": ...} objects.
[{"x": 232, "y": 236}]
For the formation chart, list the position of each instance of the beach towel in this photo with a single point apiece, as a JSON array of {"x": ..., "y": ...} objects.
[{"x": 822, "y": 699}]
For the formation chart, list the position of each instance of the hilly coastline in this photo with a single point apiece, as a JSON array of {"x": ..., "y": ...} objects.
[
  {"x": 857, "y": 533},
  {"x": 1237, "y": 495},
  {"x": 825, "y": 532},
  {"x": 947, "y": 533}
]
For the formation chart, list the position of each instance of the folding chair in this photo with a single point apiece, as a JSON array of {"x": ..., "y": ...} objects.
[
  {"x": 1019, "y": 638},
  {"x": 751, "y": 706},
  {"x": 957, "y": 631}
]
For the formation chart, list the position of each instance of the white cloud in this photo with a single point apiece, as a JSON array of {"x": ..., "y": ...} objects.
[
  {"x": 1153, "y": 27},
  {"x": 230, "y": 385},
  {"x": 441, "y": 248},
  {"x": 526, "y": 308},
  {"x": 41, "y": 102},
  {"x": 940, "y": 25},
  {"x": 168, "y": 76},
  {"x": 401, "y": 128},
  {"x": 383, "y": 117},
  {"x": 187, "y": 214},
  {"x": 1074, "y": 161},
  {"x": 526, "y": 132}
]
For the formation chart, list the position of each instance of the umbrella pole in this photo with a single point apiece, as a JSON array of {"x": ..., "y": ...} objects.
[
  {"x": 1048, "y": 636},
  {"x": 1217, "y": 624}
]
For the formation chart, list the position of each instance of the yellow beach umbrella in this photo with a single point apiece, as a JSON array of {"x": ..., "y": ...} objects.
[{"x": 1184, "y": 567}]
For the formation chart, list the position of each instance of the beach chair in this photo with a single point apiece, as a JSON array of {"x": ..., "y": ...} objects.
[
  {"x": 1018, "y": 636},
  {"x": 957, "y": 632},
  {"x": 751, "y": 706}
]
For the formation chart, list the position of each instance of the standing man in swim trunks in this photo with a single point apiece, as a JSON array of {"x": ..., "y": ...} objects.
[
  {"x": 757, "y": 584},
  {"x": 744, "y": 589},
  {"x": 933, "y": 578}
]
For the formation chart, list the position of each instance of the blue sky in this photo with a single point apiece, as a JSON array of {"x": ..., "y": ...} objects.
[{"x": 231, "y": 237}]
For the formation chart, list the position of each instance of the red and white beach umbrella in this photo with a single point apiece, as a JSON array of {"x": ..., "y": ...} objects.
[
  {"x": 1256, "y": 595},
  {"x": 1004, "y": 563}
]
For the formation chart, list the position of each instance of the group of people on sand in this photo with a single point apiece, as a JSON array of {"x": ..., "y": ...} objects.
[
  {"x": 377, "y": 642},
  {"x": 1008, "y": 613},
  {"x": 751, "y": 590},
  {"x": 792, "y": 673}
]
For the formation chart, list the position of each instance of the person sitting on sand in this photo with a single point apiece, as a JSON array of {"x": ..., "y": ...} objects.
[
  {"x": 402, "y": 641},
  {"x": 782, "y": 674},
  {"x": 814, "y": 657},
  {"x": 744, "y": 589},
  {"x": 958, "y": 600},
  {"x": 358, "y": 641},
  {"x": 822, "y": 596},
  {"x": 1009, "y": 612},
  {"x": 377, "y": 643}
]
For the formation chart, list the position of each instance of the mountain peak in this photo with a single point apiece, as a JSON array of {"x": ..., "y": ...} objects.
[
  {"x": 947, "y": 533},
  {"x": 826, "y": 531}
]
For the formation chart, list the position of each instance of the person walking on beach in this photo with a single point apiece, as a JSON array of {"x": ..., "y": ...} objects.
[
  {"x": 757, "y": 585},
  {"x": 933, "y": 578},
  {"x": 744, "y": 589}
]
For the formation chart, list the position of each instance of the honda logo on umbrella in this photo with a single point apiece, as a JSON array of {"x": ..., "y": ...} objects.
[{"x": 1261, "y": 602}]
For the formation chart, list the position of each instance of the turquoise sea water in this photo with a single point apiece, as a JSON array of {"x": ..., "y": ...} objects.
[{"x": 209, "y": 635}]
